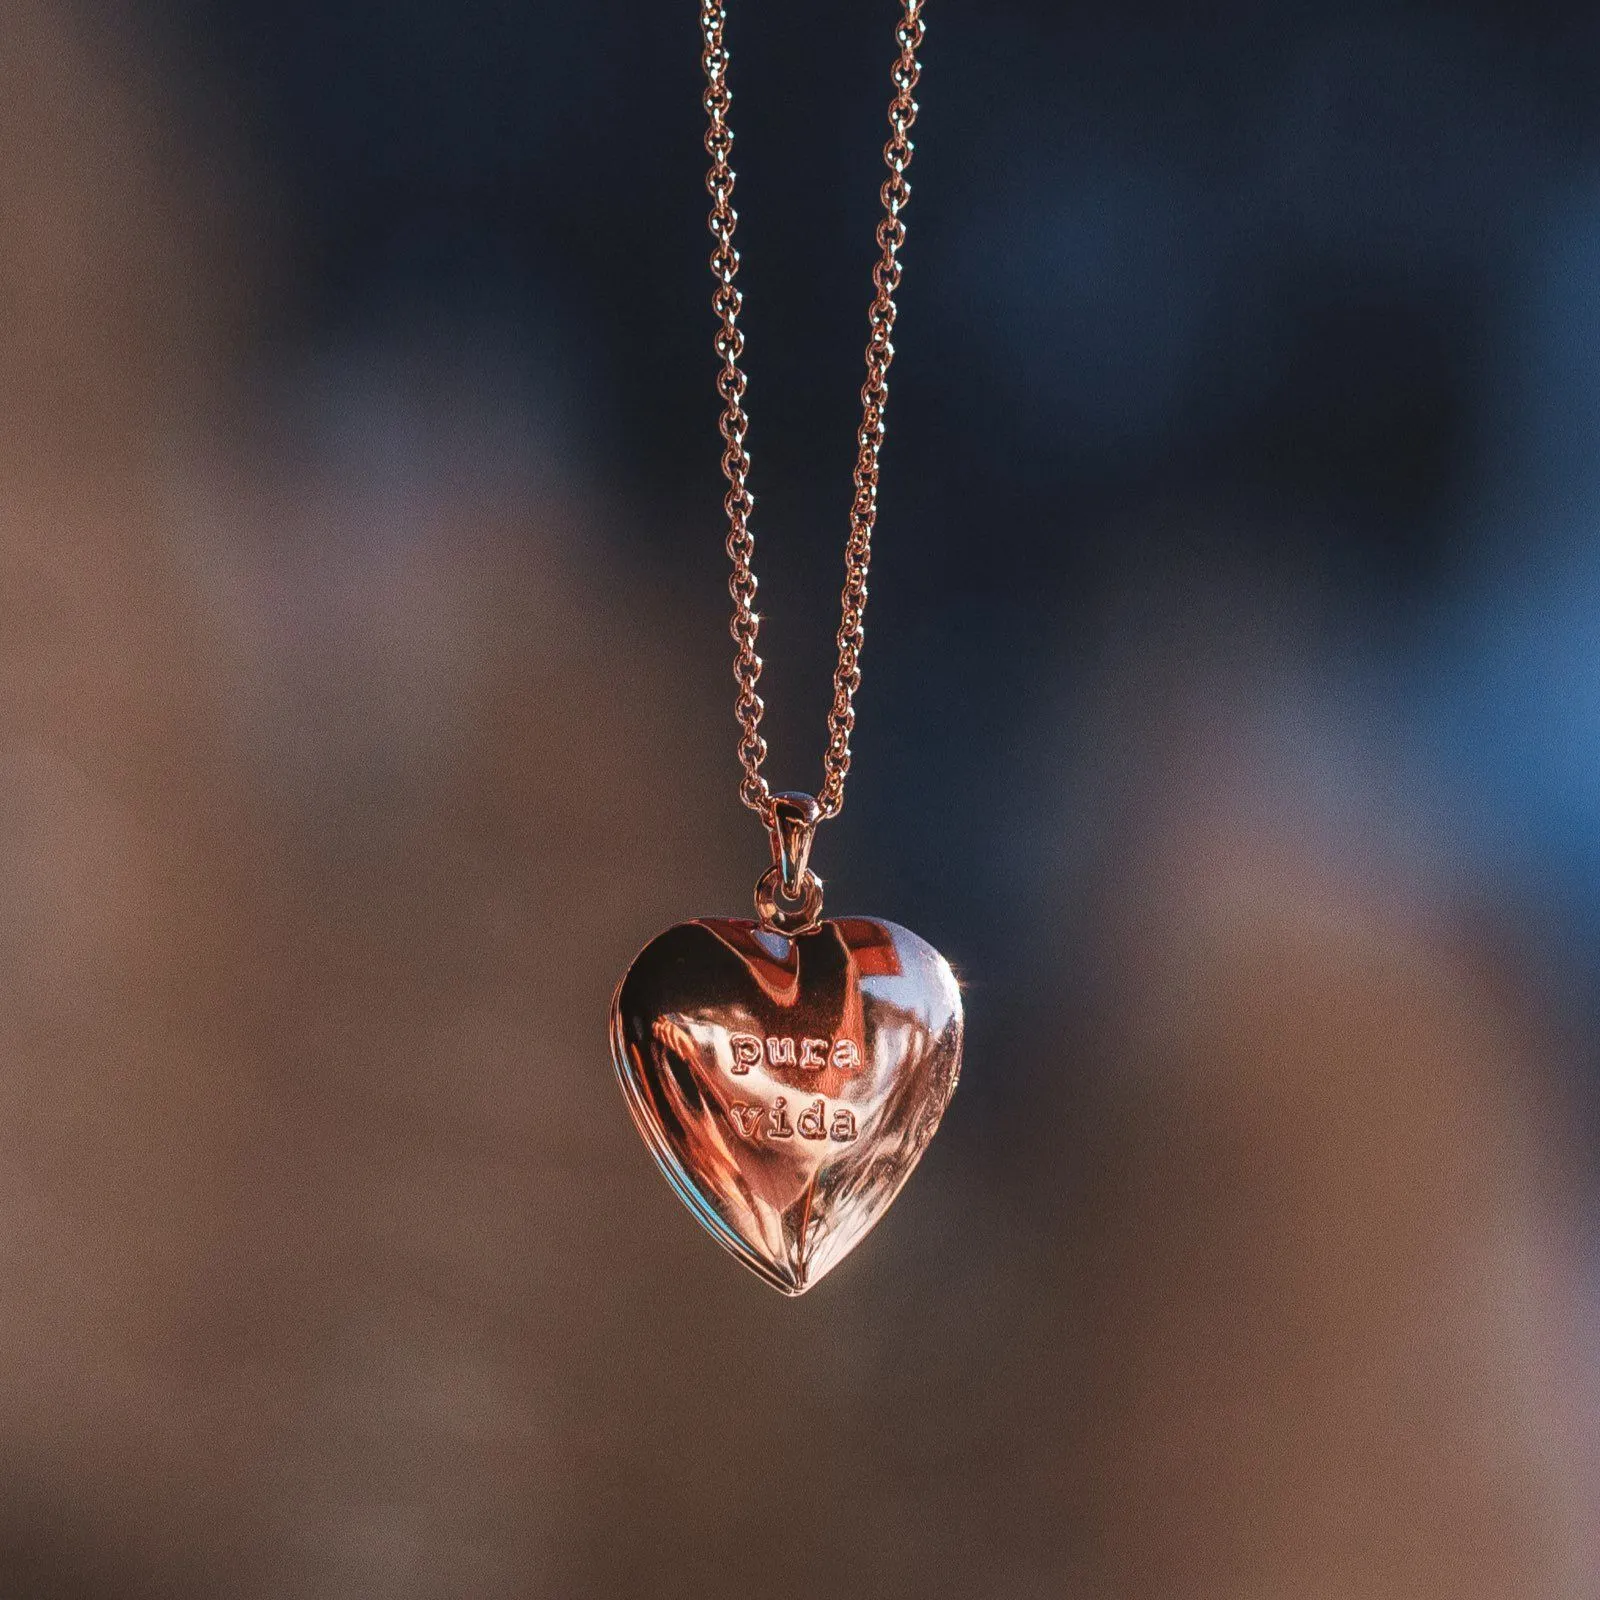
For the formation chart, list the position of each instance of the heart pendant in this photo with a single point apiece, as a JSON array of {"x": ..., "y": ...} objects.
[{"x": 787, "y": 1085}]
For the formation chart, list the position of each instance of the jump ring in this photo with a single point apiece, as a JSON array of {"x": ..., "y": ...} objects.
[{"x": 796, "y": 918}]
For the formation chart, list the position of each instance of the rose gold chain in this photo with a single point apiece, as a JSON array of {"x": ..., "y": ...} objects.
[{"x": 727, "y": 301}]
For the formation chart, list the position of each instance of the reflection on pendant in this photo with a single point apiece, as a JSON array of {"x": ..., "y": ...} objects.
[{"x": 787, "y": 1087}]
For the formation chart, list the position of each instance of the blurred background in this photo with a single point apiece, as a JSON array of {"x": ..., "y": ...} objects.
[{"x": 1231, "y": 718}]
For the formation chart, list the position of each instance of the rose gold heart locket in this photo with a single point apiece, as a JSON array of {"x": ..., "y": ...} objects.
[{"x": 787, "y": 1082}]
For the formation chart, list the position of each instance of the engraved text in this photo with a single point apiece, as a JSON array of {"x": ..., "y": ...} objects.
[
  {"x": 756, "y": 1123},
  {"x": 811, "y": 1055}
]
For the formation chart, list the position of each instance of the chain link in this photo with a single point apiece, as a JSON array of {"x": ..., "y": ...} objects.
[{"x": 727, "y": 302}]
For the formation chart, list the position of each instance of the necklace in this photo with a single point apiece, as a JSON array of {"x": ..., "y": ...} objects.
[{"x": 788, "y": 1073}]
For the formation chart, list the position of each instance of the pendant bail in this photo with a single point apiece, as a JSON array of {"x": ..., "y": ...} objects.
[{"x": 793, "y": 827}]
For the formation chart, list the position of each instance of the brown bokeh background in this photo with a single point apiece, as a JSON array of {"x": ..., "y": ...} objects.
[{"x": 329, "y": 1263}]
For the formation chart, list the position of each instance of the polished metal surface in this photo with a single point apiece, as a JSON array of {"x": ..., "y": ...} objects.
[{"x": 787, "y": 1087}]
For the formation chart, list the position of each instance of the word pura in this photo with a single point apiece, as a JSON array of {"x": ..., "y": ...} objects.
[{"x": 812, "y": 1055}]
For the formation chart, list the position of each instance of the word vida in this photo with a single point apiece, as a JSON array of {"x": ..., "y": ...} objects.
[
  {"x": 755, "y": 1121},
  {"x": 843, "y": 1055}
]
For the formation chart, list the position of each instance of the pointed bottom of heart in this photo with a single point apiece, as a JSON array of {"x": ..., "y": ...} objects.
[{"x": 787, "y": 1087}]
